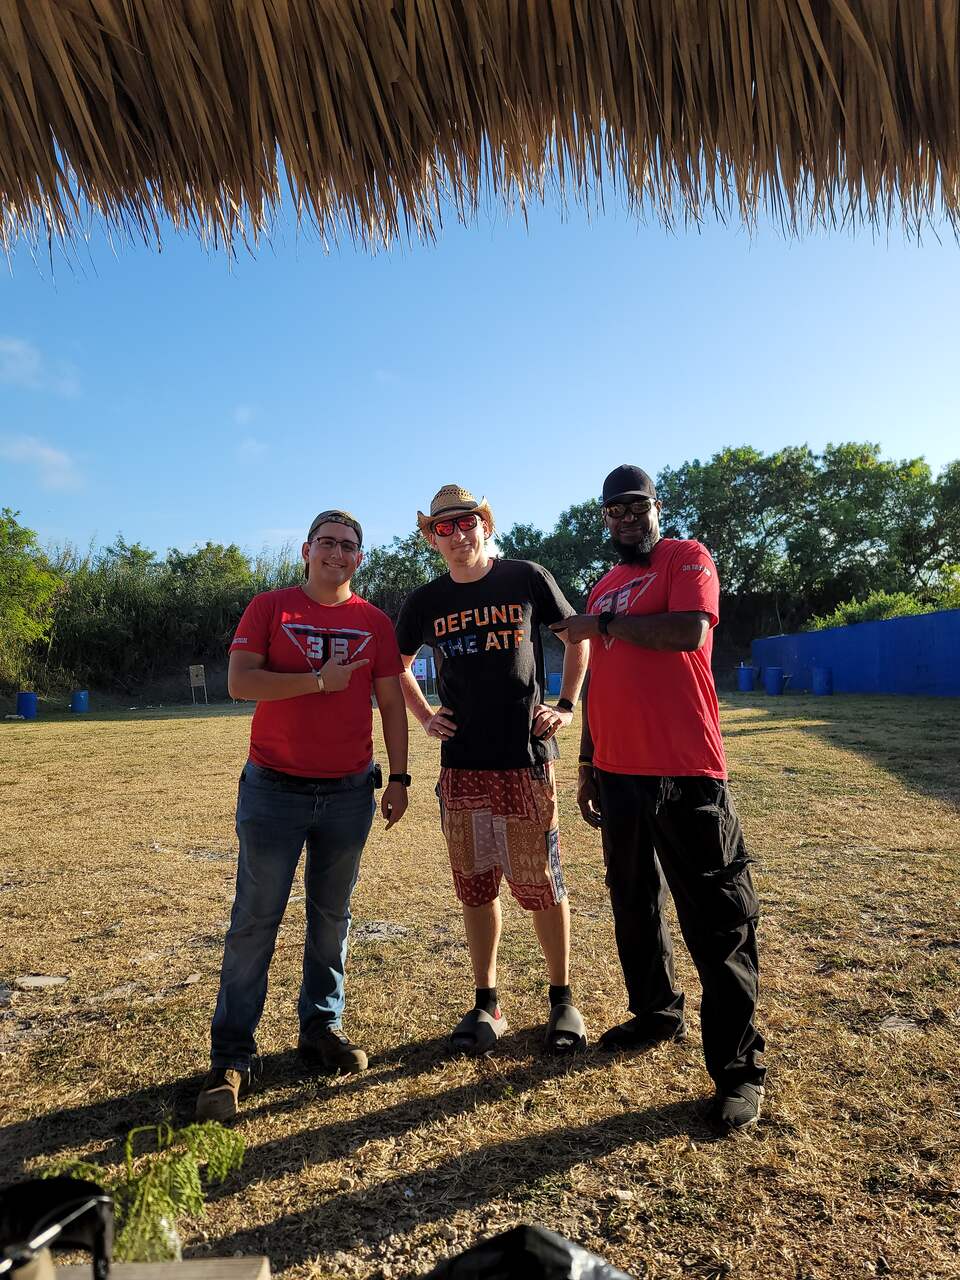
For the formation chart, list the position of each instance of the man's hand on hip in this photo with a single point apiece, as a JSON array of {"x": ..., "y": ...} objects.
[
  {"x": 579, "y": 626},
  {"x": 548, "y": 720},
  {"x": 393, "y": 803},
  {"x": 336, "y": 674},
  {"x": 441, "y": 724},
  {"x": 588, "y": 797}
]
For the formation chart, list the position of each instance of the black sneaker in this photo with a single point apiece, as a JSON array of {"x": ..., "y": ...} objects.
[
  {"x": 329, "y": 1048},
  {"x": 737, "y": 1108},
  {"x": 221, "y": 1092},
  {"x": 640, "y": 1033}
]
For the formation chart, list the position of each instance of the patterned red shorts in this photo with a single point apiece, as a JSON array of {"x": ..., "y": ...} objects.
[{"x": 502, "y": 822}]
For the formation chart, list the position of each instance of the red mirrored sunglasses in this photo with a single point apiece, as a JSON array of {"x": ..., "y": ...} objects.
[{"x": 444, "y": 528}]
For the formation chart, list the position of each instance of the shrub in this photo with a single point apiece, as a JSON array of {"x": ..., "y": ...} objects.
[
  {"x": 877, "y": 607},
  {"x": 156, "y": 1188}
]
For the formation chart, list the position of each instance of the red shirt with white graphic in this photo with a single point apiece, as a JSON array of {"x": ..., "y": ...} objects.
[
  {"x": 651, "y": 711},
  {"x": 316, "y": 735}
]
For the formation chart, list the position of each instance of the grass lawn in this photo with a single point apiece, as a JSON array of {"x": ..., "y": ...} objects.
[{"x": 117, "y": 857}]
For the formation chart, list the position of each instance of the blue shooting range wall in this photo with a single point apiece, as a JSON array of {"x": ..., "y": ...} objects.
[{"x": 919, "y": 655}]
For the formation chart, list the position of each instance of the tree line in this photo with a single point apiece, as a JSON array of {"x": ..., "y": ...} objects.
[{"x": 799, "y": 538}]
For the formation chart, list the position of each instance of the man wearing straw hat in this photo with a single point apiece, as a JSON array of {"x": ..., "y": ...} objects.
[
  {"x": 311, "y": 656},
  {"x": 653, "y": 778},
  {"x": 498, "y": 803}
]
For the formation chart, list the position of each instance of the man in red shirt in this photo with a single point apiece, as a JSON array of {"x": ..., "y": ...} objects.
[
  {"x": 312, "y": 656},
  {"x": 653, "y": 779}
]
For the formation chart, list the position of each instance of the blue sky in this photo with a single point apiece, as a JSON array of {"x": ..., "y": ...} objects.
[{"x": 176, "y": 397}]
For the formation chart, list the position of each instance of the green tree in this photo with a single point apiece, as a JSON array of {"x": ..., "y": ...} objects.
[
  {"x": 28, "y": 587},
  {"x": 211, "y": 562},
  {"x": 130, "y": 555},
  {"x": 745, "y": 507},
  {"x": 801, "y": 532}
]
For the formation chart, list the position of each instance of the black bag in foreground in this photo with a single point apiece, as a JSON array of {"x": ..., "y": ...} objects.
[{"x": 526, "y": 1253}]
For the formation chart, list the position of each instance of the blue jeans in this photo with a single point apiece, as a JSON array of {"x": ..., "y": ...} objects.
[{"x": 276, "y": 815}]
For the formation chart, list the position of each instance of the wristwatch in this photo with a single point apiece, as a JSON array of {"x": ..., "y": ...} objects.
[
  {"x": 563, "y": 704},
  {"x": 400, "y": 777},
  {"x": 603, "y": 622}
]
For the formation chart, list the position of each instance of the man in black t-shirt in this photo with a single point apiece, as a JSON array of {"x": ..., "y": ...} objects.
[{"x": 498, "y": 805}]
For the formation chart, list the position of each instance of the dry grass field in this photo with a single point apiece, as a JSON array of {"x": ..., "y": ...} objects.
[{"x": 116, "y": 870}]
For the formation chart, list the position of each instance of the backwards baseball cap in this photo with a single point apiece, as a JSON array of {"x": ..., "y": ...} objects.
[
  {"x": 627, "y": 481},
  {"x": 335, "y": 516}
]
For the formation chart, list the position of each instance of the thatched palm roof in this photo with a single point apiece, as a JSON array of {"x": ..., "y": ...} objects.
[{"x": 378, "y": 113}]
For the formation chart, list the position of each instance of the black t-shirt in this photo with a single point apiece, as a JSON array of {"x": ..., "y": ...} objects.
[{"x": 486, "y": 642}]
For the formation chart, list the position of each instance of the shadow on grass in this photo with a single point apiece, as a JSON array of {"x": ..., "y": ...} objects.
[
  {"x": 109, "y": 1120},
  {"x": 916, "y": 740},
  {"x": 106, "y": 1123},
  {"x": 467, "y": 1180}
]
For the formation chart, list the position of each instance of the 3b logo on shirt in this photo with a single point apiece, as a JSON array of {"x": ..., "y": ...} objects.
[
  {"x": 622, "y": 599},
  {"x": 319, "y": 644}
]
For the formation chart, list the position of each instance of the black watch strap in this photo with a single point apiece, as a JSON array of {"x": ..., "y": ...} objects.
[
  {"x": 564, "y": 704},
  {"x": 400, "y": 777},
  {"x": 603, "y": 622}
]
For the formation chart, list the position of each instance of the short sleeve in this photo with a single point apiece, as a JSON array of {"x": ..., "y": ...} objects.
[
  {"x": 253, "y": 631},
  {"x": 387, "y": 661},
  {"x": 694, "y": 587},
  {"x": 409, "y": 634},
  {"x": 552, "y": 604}
]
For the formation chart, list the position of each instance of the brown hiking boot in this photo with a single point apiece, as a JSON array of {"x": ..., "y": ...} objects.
[
  {"x": 222, "y": 1089},
  {"x": 329, "y": 1048}
]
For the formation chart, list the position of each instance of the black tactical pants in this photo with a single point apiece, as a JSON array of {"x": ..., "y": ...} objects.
[{"x": 685, "y": 831}]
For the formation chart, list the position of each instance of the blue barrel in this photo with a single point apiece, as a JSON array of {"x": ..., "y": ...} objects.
[
  {"x": 554, "y": 681},
  {"x": 745, "y": 678},
  {"x": 773, "y": 680},
  {"x": 822, "y": 678},
  {"x": 27, "y": 705},
  {"x": 80, "y": 700}
]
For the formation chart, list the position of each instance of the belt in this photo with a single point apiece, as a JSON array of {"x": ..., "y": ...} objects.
[{"x": 278, "y": 776}]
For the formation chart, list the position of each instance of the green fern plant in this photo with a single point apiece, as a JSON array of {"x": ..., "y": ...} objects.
[{"x": 157, "y": 1187}]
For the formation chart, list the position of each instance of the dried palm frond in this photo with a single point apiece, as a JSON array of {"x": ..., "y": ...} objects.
[{"x": 378, "y": 114}]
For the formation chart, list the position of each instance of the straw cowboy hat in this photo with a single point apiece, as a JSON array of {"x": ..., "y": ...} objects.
[{"x": 451, "y": 500}]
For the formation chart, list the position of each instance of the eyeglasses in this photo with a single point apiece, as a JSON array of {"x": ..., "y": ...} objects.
[
  {"x": 346, "y": 546},
  {"x": 444, "y": 528},
  {"x": 617, "y": 510}
]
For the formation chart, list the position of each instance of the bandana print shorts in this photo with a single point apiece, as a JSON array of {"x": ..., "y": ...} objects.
[{"x": 502, "y": 822}]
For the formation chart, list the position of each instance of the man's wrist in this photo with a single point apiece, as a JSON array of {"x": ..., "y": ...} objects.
[
  {"x": 403, "y": 778},
  {"x": 564, "y": 704}
]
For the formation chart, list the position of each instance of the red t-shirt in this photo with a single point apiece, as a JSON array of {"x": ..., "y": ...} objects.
[
  {"x": 316, "y": 735},
  {"x": 651, "y": 711}
]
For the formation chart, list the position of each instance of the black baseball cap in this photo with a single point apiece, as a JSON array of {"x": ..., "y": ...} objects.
[{"x": 627, "y": 481}]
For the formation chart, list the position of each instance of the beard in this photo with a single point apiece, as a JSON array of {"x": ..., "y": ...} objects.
[{"x": 636, "y": 552}]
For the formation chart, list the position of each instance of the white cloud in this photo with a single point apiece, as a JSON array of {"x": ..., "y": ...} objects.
[
  {"x": 23, "y": 365},
  {"x": 244, "y": 414},
  {"x": 250, "y": 449},
  {"x": 55, "y": 469}
]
